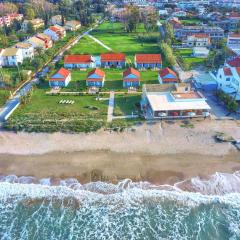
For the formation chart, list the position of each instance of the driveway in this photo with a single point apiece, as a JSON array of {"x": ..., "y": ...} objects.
[{"x": 218, "y": 109}]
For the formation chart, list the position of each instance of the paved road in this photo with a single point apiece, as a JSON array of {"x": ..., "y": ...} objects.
[
  {"x": 12, "y": 104},
  {"x": 110, "y": 107}
]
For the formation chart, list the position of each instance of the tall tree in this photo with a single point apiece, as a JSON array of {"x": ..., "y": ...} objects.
[
  {"x": 64, "y": 7},
  {"x": 132, "y": 18},
  {"x": 30, "y": 28},
  {"x": 150, "y": 21},
  {"x": 43, "y": 9},
  {"x": 29, "y": 13},
  {"x": 169, "y": 33},
  {"x": 6, "y": 8}
]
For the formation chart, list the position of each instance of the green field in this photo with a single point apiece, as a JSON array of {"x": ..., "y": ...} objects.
[
  {"x": 45, "y": 113},
  {"x": 126, "y": 104},
  {"x": 185, "y": 57},
  {"x": 87, "y": 46},
  {"x": 115, "y": 37}
]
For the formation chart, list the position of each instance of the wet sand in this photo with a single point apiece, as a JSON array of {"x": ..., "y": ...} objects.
[
  {"x": 160, "y": 153},
  {"x": 112, "y": 167}
]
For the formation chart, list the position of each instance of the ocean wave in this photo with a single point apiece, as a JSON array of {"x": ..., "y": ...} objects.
[
  {"x": 66, "y": 209},
  {"x": 216, "y": 184}
]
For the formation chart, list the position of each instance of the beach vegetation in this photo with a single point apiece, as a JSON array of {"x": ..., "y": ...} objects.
[{"x": 229, "y": 101}]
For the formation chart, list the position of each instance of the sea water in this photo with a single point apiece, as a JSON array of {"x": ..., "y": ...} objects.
[{"x": 194, "y": 209}]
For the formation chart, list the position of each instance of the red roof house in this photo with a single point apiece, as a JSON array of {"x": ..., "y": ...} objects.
[
  {"x": 95, "y": 78},
  {"x": 55, "y": 32},
  {"x": 148, "y": 61},
  {"x": 235, "y": 62},
  {"x": 113, "y": 60},
  {"x": 131, "y": 78},
  {"x": 78, "y": 61},
  {"x": 167, "y": 75},
  {"x": 60, "y": 79}
]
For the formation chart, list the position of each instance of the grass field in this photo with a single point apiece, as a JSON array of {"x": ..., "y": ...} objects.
[
  {"x": 126, "y": 104},
  {"x": 45, "y": 113},
  {"x": 115, "y": 37},
  {"x": 185, "y": 55},
  {"x": 87, "y": 46}
]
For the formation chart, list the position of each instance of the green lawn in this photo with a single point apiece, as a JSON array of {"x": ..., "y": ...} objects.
[
  {"x": 87, "y": 46},
  {"x": 115, "y": 37},
  {"x": 45, "y": 113},
  {"x": 186, "y": 52},
  {"x": 126, "y": 104},
  {"x": 185, "y": 55}
]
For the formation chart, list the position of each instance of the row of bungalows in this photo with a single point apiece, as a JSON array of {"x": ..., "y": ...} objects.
[
  {"x": 109, "y": 60},
  {"x": 95, "y": 78},
  {"x": 131, "y": 78}
]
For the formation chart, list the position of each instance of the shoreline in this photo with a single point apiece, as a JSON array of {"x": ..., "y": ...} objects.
[
  {"x": 112, "y": 167},
  {"x": 160, "y": 153}
]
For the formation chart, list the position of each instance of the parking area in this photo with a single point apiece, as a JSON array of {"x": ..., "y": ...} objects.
[{"x": 218, "y": 109}]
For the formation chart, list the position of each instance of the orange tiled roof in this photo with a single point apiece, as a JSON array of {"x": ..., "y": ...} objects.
[
  {"x": 114, "y": 57},
  {"x": 77, "y": 59},
  {"x": 148, "y": 58},
  {"x": 131, "y": 71},
  {"x": 166, "y": 71},
  {"x": 63, "y": 72},
  {"x": 97, "y": 71}
]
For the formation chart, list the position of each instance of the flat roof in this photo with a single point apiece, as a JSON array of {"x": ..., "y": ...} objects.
[
  {"x": 187, "y": 95},
  {"x": 166, "y": 102}
]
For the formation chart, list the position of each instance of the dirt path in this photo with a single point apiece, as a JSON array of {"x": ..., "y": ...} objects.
[
  {"x": 99, "y": 42},
  {"x": 110, "y": 107}
]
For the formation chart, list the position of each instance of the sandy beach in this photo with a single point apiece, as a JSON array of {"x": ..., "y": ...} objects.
[{"x": 159, "y": 153}]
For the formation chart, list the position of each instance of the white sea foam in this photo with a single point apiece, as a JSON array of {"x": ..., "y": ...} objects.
[
  {"x": 217, "y": 184},
  {"x": 127, "y": 210}
]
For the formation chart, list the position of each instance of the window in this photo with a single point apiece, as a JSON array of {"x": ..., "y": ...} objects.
[{"x": 227, "y": 79}]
